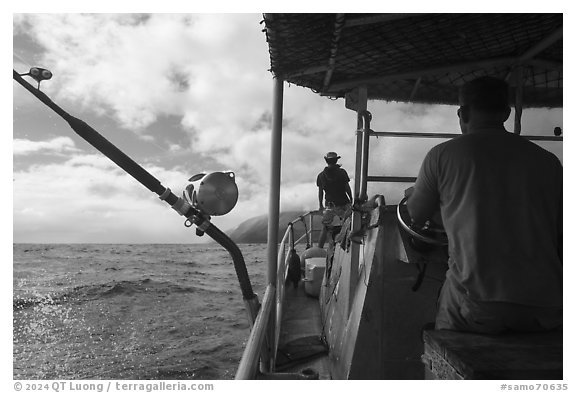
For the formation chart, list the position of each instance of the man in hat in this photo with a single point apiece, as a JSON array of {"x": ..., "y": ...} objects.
[
  {"x": 333, "y": 186},
  {"x": 500, "y": 197}
]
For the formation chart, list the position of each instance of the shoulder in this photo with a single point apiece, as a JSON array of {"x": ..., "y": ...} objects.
[
  {"x": 536, "y": 152},
  {"x": 453, "y": 143},
  {"x": 459, "y": 146},
  {"x": 446, "y": 153},
  {"x": 441, "y": 148}
]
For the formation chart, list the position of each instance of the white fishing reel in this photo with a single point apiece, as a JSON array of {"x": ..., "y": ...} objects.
[{"x": 215, "y": 194}]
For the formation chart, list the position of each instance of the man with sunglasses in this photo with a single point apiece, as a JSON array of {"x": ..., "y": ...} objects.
[{"x": 500, "y": 198}]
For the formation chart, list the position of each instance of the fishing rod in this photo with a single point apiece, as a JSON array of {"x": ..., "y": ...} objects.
[{"x": 184, "y": 206}]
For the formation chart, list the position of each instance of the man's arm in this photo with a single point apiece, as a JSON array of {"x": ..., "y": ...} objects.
[
  {"x": 421, "y": 206},
  {"x": 424, "y": 200},
  {"x": 320, "y": 198}
]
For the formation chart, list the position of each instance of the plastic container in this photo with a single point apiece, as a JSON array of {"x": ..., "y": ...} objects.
[
  {"x": 312, "y": 252},
  {"x": 313, "y": 276}
]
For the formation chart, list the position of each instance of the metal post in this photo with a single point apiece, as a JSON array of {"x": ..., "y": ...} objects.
[
  {"x": 358, "y": 163},
  {"x": 366, "y": 117},
  {"x": 361, "y": 106},
  {"x": 274, "y": 199},
  {"x": 275, "y": 167},
  {"x": 311, "y": 233}
]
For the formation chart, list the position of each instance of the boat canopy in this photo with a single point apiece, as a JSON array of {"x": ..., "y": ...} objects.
[{"x": 420, "y": 58}]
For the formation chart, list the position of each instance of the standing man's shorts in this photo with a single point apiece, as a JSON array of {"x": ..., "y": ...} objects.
[{"x": 335, "y": 212}]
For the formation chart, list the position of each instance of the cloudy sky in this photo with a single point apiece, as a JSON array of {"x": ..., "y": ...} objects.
[{"x": 180, "y": 94}]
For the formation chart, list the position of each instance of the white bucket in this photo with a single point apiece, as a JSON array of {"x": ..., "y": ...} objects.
[{"x": 313, "y": 275}]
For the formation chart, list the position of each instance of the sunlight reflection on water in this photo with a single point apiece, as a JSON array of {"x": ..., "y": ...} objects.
[{"x": 129, "y": 311}]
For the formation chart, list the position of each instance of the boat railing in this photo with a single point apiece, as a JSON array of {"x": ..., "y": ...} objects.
[
  {"x": 264, "y": 337},
  {"x": 422, "y": 135}
]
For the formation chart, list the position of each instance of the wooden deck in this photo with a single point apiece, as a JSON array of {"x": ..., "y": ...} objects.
[
  {"x": 457, "y": 355},
  {"x": 300, "y": 345}
]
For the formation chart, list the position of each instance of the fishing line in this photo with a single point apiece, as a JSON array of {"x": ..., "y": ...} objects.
[{"x": 21, "y": 59}]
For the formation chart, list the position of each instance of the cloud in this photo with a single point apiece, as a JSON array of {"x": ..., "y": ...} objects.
[
  {"x": 88, "y": 199},
  {"x": 139, "y": 69},
  {"x": 58, "y": 146},
  {"x": 206, "y": 77},
  {"x": 221, "y": 90}
]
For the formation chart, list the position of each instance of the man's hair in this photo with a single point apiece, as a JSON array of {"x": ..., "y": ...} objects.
[
  {"x": 331, "y": 161},
  {"x": 486, "y": 93}
]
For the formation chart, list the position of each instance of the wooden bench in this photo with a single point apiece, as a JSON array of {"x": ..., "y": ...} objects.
[{"x": 458, "y": 355}]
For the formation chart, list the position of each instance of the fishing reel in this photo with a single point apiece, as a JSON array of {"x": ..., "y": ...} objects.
[
  {"x": 422, "y": 238},
  {"x": 214, "y": 194}
]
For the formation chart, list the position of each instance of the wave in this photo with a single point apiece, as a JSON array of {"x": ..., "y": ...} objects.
[
  {"x": 128, "y": 288},
  {"x": 22, "y": 303},
  {"x": 209, "y": 370},
  {"x": 154, "y": 311},
  {"x": 107, "y": 290}
]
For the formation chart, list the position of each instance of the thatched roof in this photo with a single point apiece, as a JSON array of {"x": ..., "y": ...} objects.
[{"x": 418, "y": 57}]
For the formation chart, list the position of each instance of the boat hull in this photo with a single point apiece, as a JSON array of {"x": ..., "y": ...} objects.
[{"x": 373, "y": 322}]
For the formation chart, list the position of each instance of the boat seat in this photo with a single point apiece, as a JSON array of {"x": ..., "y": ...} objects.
[{"x": 458, "y": 355}]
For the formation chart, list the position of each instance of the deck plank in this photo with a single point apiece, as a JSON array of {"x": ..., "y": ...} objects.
[{"x": 300, "y": 334}]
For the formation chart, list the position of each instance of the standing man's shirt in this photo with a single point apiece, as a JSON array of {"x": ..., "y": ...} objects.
[{"x": 333, "y": 180}]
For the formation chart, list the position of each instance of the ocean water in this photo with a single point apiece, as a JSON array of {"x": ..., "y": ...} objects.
[{"x": 140, "y": 312}]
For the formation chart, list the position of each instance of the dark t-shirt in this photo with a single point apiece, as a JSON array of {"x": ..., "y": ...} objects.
[
  {"x": 333, "y": 180},
  {"x": 501, "y": 202}
]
